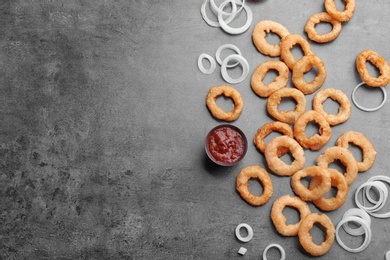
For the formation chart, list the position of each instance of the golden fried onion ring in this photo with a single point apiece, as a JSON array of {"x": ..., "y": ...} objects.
[
  {"x": 345, "y": 108},
  {"x": 279, "y": 82},
  {"x": 361, "y": 141},
  {"x": 280, "y": 221},
  {"x": 287, "y": 43},
  {"x": 267, "y": 129},
  {"x": 317, "y": 192},
  {"x": 229, "y": 92},
  {"x": 338, "y": 181},
  {"x": 306, "y": 239},
  {"x": 316, "y": 141},
  {"x": 344, "y": 156},
  {"x": 290, "y": 116},
  {"x": 304, "y": 65},
  {"x": 275, "y": 164},
  {"x": 260, "y": 32},
  {"x": 379, "y": 62},
  {"x": 342, "y": 16},
  {"x": 257, "y": 172},
  {"x": 323, "y": 17}
]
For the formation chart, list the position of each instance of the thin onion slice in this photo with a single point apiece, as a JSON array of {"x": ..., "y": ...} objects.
[
  {"x": 220, "y": 8},
  {"x": 245, "y": 68},
  {"x": 249, "y": 231},
  {"x": 367, "y": 231},
  {"x": 385, "y": 179},
  {"x": 365, "y": 108},
  {"x": 213, "y": 65},
  {"x": 357, "y": 213},
  {"x": 279, "y": 247},
  {"x": 211, "y": 23},
  {"x": 223, "y": 47},
  {"x": 224, "y": 25},
  {"x": 383, "y": 193}
]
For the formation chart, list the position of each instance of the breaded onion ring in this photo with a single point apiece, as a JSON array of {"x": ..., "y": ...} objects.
[
  {"x": 257, "y": 172},
  {"x": 342, "y": 16},
  {"x": 268, "y": 128},
  {"x": 304, "y": 65},
  {"x": 279, "y": 82},
  {"x": 316, "y": 192},
  {"x": 361, "y": 141},
  {"x": 345, "y": 108},
  {"x": 276, "y": 164},
  {"x": 316, "y": 141},
  {"x": 260, "y": 32},
  {"x": 287, "y": 43},
  {"x": 280, "y": 221},
  {"x": 290, "y": 116},
  {"x": 338, "y": 181},
  {"x": 306, "y": 239},
  {"x": 379, "y": 62},
  {"x": 323, "y": 17},
  {"x": 229, "y": 92},
  {"x": 344, "y": 156}
]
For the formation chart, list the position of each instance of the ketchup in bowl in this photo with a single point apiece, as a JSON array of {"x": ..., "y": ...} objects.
[{"x": 226, "y": 145}]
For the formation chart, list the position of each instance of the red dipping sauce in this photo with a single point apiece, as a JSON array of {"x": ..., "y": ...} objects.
[{"x": 226, "y": 145}]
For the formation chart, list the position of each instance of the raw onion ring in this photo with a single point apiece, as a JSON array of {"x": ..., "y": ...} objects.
[
  {"x": 220, "y": 8},
  {"x": 215, "y": 23},
  {"x": 231, "y": 30},
  {"x": 365, "y": 108},
  {"x": 279, "y": 247},
  {"x": 248, "y": 229},
  {"x": 367, "y": 231},
  {"x": 245, "y": 68},
  {"x": 213, "y": 65},
  {"x": 223, "y": 47},
  {"x": 358, "y": 213}
]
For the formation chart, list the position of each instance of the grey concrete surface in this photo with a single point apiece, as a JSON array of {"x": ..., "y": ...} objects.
[{"x": 103, "y": 121}]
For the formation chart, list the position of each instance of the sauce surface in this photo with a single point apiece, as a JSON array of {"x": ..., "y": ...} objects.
[{"x": 226, "y": 145}]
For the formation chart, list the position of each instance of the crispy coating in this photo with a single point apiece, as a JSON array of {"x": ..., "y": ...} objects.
[
  {"x": 267, "y": 129},
  {"x": 345, "y": 108},
  {"x": 279, "y": 82},
  {"x": 275, "y": 164},
  {"x": 344, "y": 156},
  {"x": 306, "y": 240},
  {"x": 360, "y": 140},
  {"x": 303, "y": 65},
  {"x": 379, "y": 62},
  {"x": 316, "y": 141},
  {"x": 287, "y": 43},
  {"x": 290, "y": 116},
  {"x": 257, "y": 172},
  {"x": 316, "y": 192},
  {"x": 260, "y": 32},
  {"x": 229, "y": 92},
  {"x": 323, "y": 17},
  {"x": 338, "y": 181},
  {"x": 279, "y": 219},
  {"x": 342, "y": 16}
]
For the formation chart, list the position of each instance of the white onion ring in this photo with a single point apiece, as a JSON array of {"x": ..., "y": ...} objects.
[
  {"x": 224, "y": 25},
  {"x": 213, "y": 65},
  {"x": 227, "y": 46},
  {"x": 382, "y": 196},
  {"x": 216, "y": 23},
  {"x": 382, "y": 188},
  {"x": 281, "y": 250},
  {"x": 365, "y": 108},
  {"x": 367, "y": 231},
  {"x": 245, "y": 68},
  {"x": 220, "y": 8},
  {"x": 387, "y": 255},
  {"x": 249, "y": 230},
  {"x": 357, "y": 212},
  {"x": 383, "y": 179}
]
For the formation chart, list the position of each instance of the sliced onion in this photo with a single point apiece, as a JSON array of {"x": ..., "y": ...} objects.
[
  {"x": 245, "y": 68},
  {"x": 231, "y": 30},
  {"x": 219, "y": 9},
  {"x": 367, "y": 232},
  {"x": 211, "y": 23},
  {"x": 223, "y": 47},
  {"x": 213, "y": 65},
  {"x": 378, "y": 204},
  {"x": 248, "y": 229},
  {"x": 357, "y": 213},
  {"x": 281, "y": 250},
  {"x": 365, "y": 108}
]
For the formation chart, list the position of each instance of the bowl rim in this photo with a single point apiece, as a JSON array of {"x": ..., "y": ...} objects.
[{"x": 234, "y": 128}]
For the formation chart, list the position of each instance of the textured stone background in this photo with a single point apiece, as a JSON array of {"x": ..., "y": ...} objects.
[{"x": 103, "y": 123}]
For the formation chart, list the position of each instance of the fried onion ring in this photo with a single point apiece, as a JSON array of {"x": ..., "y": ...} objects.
[
  {"x": 361, "y": 141},
  {"x": 323, "y": 17},
  {"x": 304, "y": 65},
  {"x": 290, "y": 116},
  {"x": 279, "y": 219},
  {"x": 254, "y": 171},
  {"x": 337, "y": 180},
  {"x": 345, "y": 108},
  {"x": 268, "y": 128},
  {"x": 316, "y": 192},
  {"x": 342, "y": 16},
  {"x": 306, "y": 239},
  {"x": 344, "y": 156},
  {"x": 279, "y": 82},
  {"x": 287, "y": 43},
  {"x": 260, "y": 32},
  {"x": 379, "y": 62},
  {"x": 276, "y": 164},
  {"x": 229, "y": 92},
  {"x": 316, "y": 141}
]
